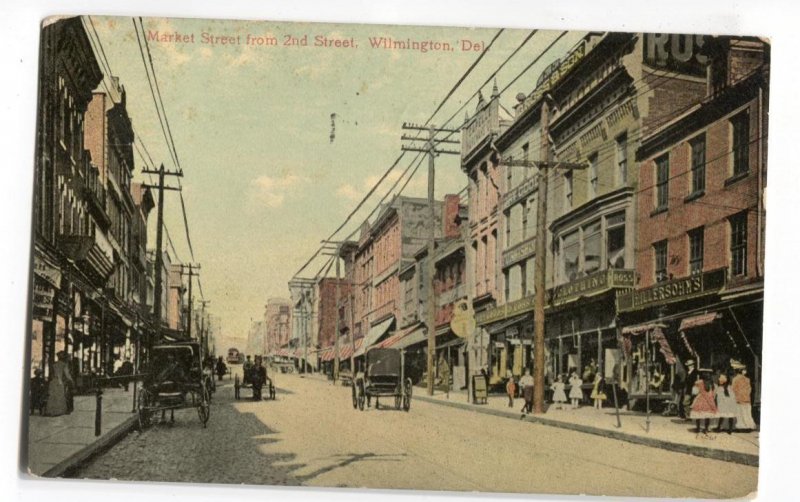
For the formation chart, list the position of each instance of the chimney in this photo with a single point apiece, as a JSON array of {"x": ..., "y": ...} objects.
[{"x": 451, "y": 207}]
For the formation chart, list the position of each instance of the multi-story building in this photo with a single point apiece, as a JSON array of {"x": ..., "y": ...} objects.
[
  {"x": 701, "y": 219},
  {"x": 71, "y": 261},
  {"x": 450, "y": 288},
  {"x": 399, "y": 230},
  {"x": 330, "y": 293},
  {"x": 176, "y": 303},
  {"x": 109, "y": 138},
  {"x": 277, "y": 318},
  {"x": 480, "y": 162}
]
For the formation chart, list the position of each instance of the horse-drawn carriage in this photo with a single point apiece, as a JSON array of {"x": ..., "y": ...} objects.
[
  {"x": 384, "y": 377},
  {"x": 174, "y": 380},
  {"x": 254, "y": 377}
]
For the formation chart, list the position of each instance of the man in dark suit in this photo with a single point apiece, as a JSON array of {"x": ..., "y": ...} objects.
[{"x": 686, "y": 389}]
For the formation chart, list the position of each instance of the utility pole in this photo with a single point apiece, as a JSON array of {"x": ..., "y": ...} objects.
[
  {"x": 159, "y": 264},
  {"x": 203, "y": 328},
  {"x": 540, "y": 263},
  {"x": 431, "y": 149},
  {"x": 192, "y": 268}
]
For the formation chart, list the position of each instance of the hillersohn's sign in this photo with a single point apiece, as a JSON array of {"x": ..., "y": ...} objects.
[
  {"x": 680, "y": 53},
  {"x": 672, "y": 291}
]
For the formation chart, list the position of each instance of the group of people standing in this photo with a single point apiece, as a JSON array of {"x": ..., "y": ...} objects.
[
  {"x": 558, "y": 387},
  {"x": 708, "y": 396}
]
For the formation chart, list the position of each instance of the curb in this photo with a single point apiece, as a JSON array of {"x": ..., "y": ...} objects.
[
  {"x": 104, "y": 442},
  {"x": 698, "y": 451}
]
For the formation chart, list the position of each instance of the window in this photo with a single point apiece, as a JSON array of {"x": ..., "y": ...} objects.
[
  {"x": 662, "y": 181},
  {"x": 571, "y": 248},
  {"x": 568, "y": 189},
  {"x": 507, "y": 285},
  {"x": 508, "y": 228},
  {"x": 524, "y": 220},
  {"x": 660, "y": 249},
  {"x": 696, "y": 238},
  {"x": 741, "y": 142},
  {"x": 591, "y": 247},
  {"x": 698, "y": 147},
  {"x": 615, "y": 240},
  {"x": 739, "y": 244},
  {"x": 622, "y": 160},
  {"x": 523, "y": 274},
  {"x": 592, "y": 176},
  {"x": 509, "y": 173}
]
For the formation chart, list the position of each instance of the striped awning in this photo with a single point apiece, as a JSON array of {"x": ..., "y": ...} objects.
[
  {"x": 327, "y": 354},
  {"x": 697, "y": 321},
  {"x": 347, "y": 349},
  {"x": 395, "y": 338}
]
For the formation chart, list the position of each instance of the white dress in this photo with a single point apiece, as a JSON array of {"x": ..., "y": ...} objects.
[
  {"x": 575, "y": 392},
  {"x": 559, "y": 396}
]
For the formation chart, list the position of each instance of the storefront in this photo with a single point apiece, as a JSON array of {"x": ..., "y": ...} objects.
[
  {"x": 697, "y": 317},
  {"x": 510, "y": 328},
  {"x": 581, "y": 327}
]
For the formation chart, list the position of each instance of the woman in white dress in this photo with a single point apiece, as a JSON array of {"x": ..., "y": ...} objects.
[
  {"x": 726, "y": 403},
  {"x": 559, "y": 396}
]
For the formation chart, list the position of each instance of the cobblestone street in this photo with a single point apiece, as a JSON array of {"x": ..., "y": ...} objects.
[{"x": 312, "y": 436}]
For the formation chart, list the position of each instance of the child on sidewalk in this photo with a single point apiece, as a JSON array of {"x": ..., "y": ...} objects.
[
  {"x": 511, "y": 390},
  {"x": 598, "y": 392},
  {"x": 575, "y": 391},
  {"x": 559, "y": 396}
]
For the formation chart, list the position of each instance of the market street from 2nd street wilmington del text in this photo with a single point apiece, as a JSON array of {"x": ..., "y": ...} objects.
[{"x": 310, "y": 435}]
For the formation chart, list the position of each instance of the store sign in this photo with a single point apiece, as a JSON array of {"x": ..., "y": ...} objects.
[
  {"x": 47, "y": 272},
  {"x": 521, "y": 191},
  {"x": 43, "y": 296},
  {"x": 593, "y": 283},
  {"x": 483, "y": 124},
  {"x": 679, "y": 53},
  {"x": 554, "y": 73},
  {"x": 505, "y": 311},
  {"x": 672, "y": 291},
  {"x": 519, "y": 252}
]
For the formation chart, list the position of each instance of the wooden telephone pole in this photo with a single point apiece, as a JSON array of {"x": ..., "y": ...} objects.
[
  {"x": 159, "y": 264},
  {"x": 191, "y": 273},
  {"x": 431, "y": 148},
  {"x": 540, "y": 263}
]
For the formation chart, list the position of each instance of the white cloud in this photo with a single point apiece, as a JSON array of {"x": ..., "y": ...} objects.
[
  {"x": 271, "y": 191},
  {"x": 349, "y": 192}
]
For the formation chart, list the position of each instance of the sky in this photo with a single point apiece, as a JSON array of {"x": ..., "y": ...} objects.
[{"x": 263, "y": 181}]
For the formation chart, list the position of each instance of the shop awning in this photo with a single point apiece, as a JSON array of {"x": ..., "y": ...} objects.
[
  {"x": 641, "y": 329},
  {"x": 419, "y": 334},
  {"x": 399, "y": 335},
  {"x": 347, "y": 350},
  {"x": 452, "y": 343},
  {"x": 327, "y": 354},
  {"x": 698, "y": 321},
  {"x": 501, "y": 326},
  {"x": 375, "y": 334}
]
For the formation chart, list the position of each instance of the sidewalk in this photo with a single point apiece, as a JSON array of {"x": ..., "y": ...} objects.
[
  {"x": 669, "y": 433},
  {"x": 57, "y": 443}
]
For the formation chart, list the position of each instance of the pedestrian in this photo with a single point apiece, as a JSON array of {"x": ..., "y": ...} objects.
[
  {"x": 126, "y": 370},
  {"x": 559, "y": 396},
  {"x": 511, "y": 390},
  {"x": 526, "y": 382},
  {"x": 222, "y": 368},
  {"x": 704, "y": 407},
  {"x": 688, "y": 389},
  {"x": 598, "y": 391},
  {"x": 741, "y": 390},
  {"x": 259, "y": 376},
  {"x": 38, "y": 391},
  {"x": 575, "y": 391},
  {"x": 726, "y": 403},
  {"x": 246, "y": 371},
  {"x": 59, "y": 388}
]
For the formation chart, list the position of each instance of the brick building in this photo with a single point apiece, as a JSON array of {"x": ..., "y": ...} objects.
[{"x": 701, "y": 218}]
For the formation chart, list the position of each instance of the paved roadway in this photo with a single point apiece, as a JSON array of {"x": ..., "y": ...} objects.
[{"x": 311, "y": 435}]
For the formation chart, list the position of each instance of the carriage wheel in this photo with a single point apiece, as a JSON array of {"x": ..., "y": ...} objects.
[
  {"x": 355, "y": 397},
  {"x": 204, "y": 407},
  {"x": 407, "y": 394},
  {"x": 398, "y": 401},
  {"x": 361, "y": 397},
  {"x": 143, "y": 412}
]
